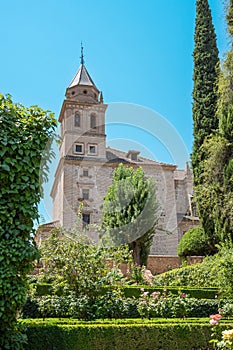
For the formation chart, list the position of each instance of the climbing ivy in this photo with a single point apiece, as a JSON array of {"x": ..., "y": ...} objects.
[{"x": 25, "y": 132}]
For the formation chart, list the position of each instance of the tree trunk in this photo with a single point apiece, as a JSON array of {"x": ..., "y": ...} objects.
[{"x": 136, "y": 247}]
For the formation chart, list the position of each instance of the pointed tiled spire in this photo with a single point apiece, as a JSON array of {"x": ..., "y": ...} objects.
[{"x": 82, "y": 77}]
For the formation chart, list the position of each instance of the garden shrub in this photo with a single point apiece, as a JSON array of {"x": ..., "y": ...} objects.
[
  {"x": 113, "y": 305},
  {"x": 31, "y": 308},
  {"x": 78, "y": 265},
  {"x": 109, "y": 305},
  {"x": 194, "y": 242},
  {"x": 157, "y": 304},
  {"x": 41, "y": 289},
  {"x": 192, "y": 292},
  {"x": 23, "y": 138},
  {"x": 214, "y": 271},
  {"x": 119, "y": 335}
]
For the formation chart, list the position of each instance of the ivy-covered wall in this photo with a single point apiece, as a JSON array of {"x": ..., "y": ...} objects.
[{"x": 24, "y": 135}]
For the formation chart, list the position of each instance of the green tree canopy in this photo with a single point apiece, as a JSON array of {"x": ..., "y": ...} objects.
[{"x": 130, "y": 211}]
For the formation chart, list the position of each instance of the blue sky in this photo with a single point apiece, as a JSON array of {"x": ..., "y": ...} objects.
[{"x": 136, "y": 52}]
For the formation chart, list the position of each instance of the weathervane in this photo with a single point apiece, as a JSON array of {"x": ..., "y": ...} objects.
[{"x": 82, "y": 56}]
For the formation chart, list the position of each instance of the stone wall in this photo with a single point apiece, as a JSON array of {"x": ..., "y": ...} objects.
[{"x": 159, "y": 263}]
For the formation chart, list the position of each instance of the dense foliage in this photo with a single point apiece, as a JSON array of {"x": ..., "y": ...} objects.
[
  {"x": 78, "y": 265},
  {"x": 205, "y": 120},
  {"x": 194, "y": 242},
  {"x": 156, "y": 304},
  {"x": 212, "y": 157},
  {"x": 205, "y": 78},
  {"x": 179, "y": 334},
  {"x": 23, "y": 138},
  {"x": 214, "y": 191},
  {"x": 130, "y": 211},
  {"x": 215, "y": 271},
  {"x": 114, "y": 305}
]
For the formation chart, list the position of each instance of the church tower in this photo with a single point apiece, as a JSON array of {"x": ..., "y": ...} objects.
[
  {"x": 86, "y": 166},
  {"x": 82, "y": 149}
]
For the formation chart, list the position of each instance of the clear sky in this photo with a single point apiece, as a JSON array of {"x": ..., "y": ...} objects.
[{"x": 137, "y": 52}]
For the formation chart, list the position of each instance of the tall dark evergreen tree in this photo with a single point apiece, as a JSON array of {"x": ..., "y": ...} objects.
[
  {"x": 214, "y": 190},
  {"x": 205, "y": 77},
  {"x": 229, "y": 18}
]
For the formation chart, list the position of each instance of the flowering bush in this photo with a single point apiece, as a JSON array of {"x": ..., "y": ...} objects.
[
  {"x": 214, "y": 319},
  {"x": 227, "y": 339},
  {"x": 162, "y": 305},
  {"x": 226, "y": 342},
  {"x": 227, "y": 310}
]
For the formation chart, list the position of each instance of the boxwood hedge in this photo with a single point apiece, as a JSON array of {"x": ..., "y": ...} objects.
[
  {"x": 119, "y": 335},
  {"x": 41, "y": 289}
]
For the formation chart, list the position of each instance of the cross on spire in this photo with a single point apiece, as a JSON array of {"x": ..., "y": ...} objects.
[{"x": 82, "y": 56}]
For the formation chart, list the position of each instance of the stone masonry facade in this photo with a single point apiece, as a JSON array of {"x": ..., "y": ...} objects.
[{"x": 86, "y": 165}]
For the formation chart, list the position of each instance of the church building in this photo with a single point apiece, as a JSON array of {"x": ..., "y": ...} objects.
[{"x": 86, "y": 165}]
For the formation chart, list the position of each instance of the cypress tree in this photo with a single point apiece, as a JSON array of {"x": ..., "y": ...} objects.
[
  {"x": 229, "y": 18},
  {"x": 205, "y": 77},
  {"x": 214, "y": 185}
]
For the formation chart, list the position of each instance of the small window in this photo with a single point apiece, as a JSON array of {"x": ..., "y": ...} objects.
[
  {"x": 85, "y": 172},
  {"x": 86, "y": 219},
  {"x": 85, "y": 194},
  {"x": 93, "y": 122},
  {"x": 134, "y": 156},
  {"x": 92, "y": 149},
  {"x": 78, "y": 148},
  {"x": 85, "y": 92},
  {"x": 77, "y": 120}
]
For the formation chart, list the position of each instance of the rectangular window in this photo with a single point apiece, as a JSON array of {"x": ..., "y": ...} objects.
[
  {"x": 85, "y": 194},
  {"x": 79, "y": 148},
  {"x": 77, "y": 120},
  {"x": 134, "y": 156},
  {"x": 93, "y": 122},
  {"x": 85, "y": 172},
  {"x": 86, "y": 219},
  {"x": 92, "y": 149}
]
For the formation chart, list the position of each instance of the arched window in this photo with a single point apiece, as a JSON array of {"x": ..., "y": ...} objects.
[
  {"x": 93, "y": 121},
  {"x": 77, "y": 120}
]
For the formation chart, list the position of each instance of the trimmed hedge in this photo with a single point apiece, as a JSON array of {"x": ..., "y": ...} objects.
[
  {"x": 66, "y": 307},
  {"x": 192, "y": 292},
  {"x": 41, "y": 289},
  {"x": 139, "y": 335}
]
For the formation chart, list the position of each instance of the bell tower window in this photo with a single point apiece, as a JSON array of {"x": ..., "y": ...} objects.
[
  {"x": 85, "y": 194},
  {"x": 93, "y": 121},
  {"x": 77, "y": 120},
  {"x": 85, "y": 172}
]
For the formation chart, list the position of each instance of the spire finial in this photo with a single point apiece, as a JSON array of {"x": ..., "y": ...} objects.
[{"x": 82, "y": 56}]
